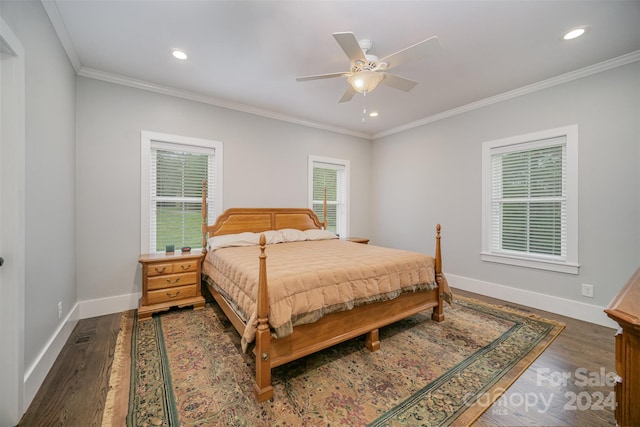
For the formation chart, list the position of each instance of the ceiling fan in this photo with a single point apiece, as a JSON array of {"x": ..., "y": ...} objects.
[{"x": 367, "y": 71}]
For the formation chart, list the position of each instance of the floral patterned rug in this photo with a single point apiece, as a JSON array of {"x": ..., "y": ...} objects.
[{"x": 187, "y": 369}]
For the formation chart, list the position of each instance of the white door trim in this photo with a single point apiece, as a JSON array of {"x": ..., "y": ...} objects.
[{"x": 12, "y": 226}]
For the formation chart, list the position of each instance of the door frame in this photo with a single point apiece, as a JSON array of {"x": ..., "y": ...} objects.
[{"x": 12, "y": 225}]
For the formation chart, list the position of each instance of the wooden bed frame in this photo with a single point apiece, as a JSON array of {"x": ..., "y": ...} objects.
[{"x": 330, "y": 329}]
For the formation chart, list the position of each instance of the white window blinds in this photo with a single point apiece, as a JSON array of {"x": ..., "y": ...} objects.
[
  {"x": 528, "y": 199},
  {"x": 330, "y": 176},
  {"x": 172, "y": 170},
  {"x": 176, "y": 194}
]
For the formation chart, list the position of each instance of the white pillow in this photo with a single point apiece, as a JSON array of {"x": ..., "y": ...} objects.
[
  {"x": 317, "y": 234},
  {"x": 228, "y": 240},
  {"x": 245, "y": 239},
  {"x": 273, "y": 236},
  {"x": 293, "y": 235}
]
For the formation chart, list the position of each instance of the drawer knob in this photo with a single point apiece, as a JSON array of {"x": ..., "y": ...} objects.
[
  {"x": 174, "y": 295},
  {"x": 174, "y": 282},
  {"x": 160, "y": 270},
  {"x": 185, "y": 267}
]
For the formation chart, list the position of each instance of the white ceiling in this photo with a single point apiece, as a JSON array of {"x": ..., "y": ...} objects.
[{"x": 246, "y": 55}]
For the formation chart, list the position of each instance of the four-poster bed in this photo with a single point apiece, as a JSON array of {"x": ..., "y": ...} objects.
[{"x": 310, "y": 265}]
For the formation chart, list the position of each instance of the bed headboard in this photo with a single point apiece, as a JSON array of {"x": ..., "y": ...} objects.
[{"x": 256, "y": 220}]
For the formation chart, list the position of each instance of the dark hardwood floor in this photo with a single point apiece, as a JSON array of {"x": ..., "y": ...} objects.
[
  {"x": 74, "y": 391},
  {"x": 570, "y": 384},
  {"x": 565, "y": 386}
]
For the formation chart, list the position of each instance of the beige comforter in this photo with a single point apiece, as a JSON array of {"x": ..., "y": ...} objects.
[{"x": 308, "y": 279}]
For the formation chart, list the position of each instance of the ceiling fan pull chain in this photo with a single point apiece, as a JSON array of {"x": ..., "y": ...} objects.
[{"x": 364, "y": 106}]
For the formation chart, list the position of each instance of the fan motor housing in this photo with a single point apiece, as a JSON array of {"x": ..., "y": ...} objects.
[{"x": 370, "y": 65}]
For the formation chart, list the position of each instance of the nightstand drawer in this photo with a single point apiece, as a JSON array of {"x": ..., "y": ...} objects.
[
  {"x": 169, "y": 268},
  {"x": 172, "y": 280},
  {"x": 184, "y": 266},
  {"x": 171, "y": 294},
  {"x": 157, "y": 269}
]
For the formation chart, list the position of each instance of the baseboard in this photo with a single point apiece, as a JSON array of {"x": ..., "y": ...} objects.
[
  {"x": 575, "y": 309},
  {"x": 109, "y": 305},
  {"x": 35, "y": 374}
]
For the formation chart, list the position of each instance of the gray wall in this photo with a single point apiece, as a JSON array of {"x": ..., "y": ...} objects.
[
  {"x": 432, "y": 174},
  {"x": 83, "y": 200},
  {"x": 50, "y": 175},
  {"x": 265, "y": 164}
]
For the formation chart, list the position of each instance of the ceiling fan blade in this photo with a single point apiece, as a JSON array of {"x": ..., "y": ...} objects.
[
  {"x": 411, "y": 53},
  {"x": 398, "y": 82},
  {"x": 321, "y": 76},
  {"x": 350, "y": 45},
  {"x": 348, "y": 94}
]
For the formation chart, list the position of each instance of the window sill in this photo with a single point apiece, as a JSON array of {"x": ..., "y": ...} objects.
[{"x": 560, "y": 267}]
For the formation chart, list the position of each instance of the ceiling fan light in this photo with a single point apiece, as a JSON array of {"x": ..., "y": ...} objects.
[{"x": 365, "y": 81}]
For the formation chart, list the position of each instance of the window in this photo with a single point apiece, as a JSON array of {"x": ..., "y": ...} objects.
[
  {"x": 529, "y": 193},
  {"x": 330, "y": 176},
  {"x": 173, "y": 168}
]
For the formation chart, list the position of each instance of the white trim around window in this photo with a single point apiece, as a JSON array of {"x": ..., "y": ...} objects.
[
  {"x": 154, "y": 139},
  {"x": 567, "y": 262},
  {"x": 343, "y": 189}
]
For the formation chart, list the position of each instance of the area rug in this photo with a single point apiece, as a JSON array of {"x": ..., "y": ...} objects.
[{"x": 187, "y": 369}]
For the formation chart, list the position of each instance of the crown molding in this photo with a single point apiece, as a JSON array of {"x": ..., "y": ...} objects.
[
  {"x": 61, "y": 30},
  {"x": 193, "y": 96},
  {"x": 544, "y": 84},
  {"x": 53, "y": 13}
]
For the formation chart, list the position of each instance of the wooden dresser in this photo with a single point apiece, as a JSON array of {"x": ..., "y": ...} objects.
[
  {"x": 625, "y": 310},
  {"x": 170, "y": 280}
]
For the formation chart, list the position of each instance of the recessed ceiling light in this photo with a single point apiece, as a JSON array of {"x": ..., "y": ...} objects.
[
  {"x": 373, "y": 114},
  {"x": 574, "y": 33},
  {"x": 179, "y": 54}
]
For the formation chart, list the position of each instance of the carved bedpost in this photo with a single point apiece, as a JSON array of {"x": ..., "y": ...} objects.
[
  {"x": 324, "y": 210},
  {"x": 438, "y": 311},
  {"x": 438, "y": 254},
  {"x": 204, "y": 216},
  {"x": 262, "y": 388}
]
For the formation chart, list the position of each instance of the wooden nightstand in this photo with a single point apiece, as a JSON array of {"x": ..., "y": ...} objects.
[
  {"x": 358, "y": 240},
  {"x": 170, "y": 280}
]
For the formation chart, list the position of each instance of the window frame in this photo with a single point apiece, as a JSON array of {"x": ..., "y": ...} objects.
[
  {"x": 147, "y": 140},
  {"x": 524, "y": 142},
  {"x": 347, "y": 174}
]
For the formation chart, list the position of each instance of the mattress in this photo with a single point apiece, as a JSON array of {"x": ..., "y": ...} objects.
[{"x": 308, "y": 279}]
